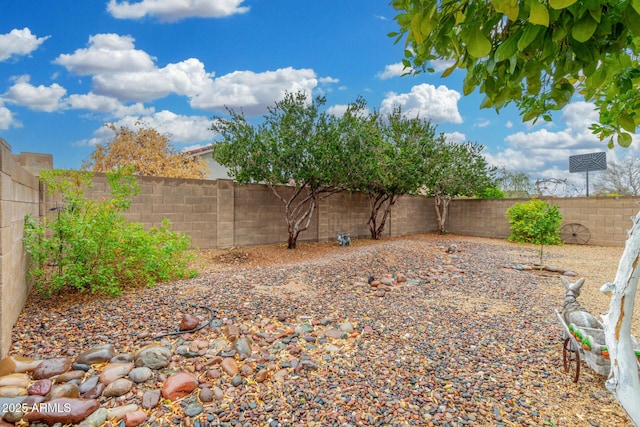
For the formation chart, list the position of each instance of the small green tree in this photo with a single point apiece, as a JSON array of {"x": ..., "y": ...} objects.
[
  {"x": 89, "y": 245},
  {"x": 535, "y": 222},
  {"x": 295, "y": 152},
  {"x": 457, "y": 170},
  {"x": 388, "y": 158}
]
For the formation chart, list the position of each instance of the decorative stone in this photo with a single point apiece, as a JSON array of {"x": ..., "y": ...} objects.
[
  {"x": 140, "y": 375},
  {"x": 114, "y": 371},
  {"x": 153, "y": 356},
  {"x": 12, "y": 391},
  {"x": 63, "y": 390},
  {"x": 150, "y": 398},
  {"x": 261, "y": 375},
  {"x": 232, "y": 332},
  {"x": 189, "y": 322},
  {"x": 98, "y": 418},
  {"x": 64, "y": 410},
  {"x": 206, "y": 395},
  {"x": 230, "y": 366},
  {"x": 40, "y": 387},
  {"x": 90, "y": 383},
  {"x": 118, "y": 388},
  {"x": 120, "y": 411},
  {"x": 178, "y": 385},
  {"x": 243, "y": 346},
  {"x": 17, "y": 380},
  {"x": 122, "y": 358},
  {"x": 193, "y": 408},
  {"x": 68, "y": 376},
  {"x": 94, "y": 392},
  {"x": 97, "y": 354},
  {"x": 236, "y": 381},
  {"x": 333, "y": 333},
  {"x": 50, "y": 367},
  {"x": 346, "y": 327},
  {"x": 135, "y": 418},
  {"x": 218, "y": 394},
  {"x": 17, "y": 364}
]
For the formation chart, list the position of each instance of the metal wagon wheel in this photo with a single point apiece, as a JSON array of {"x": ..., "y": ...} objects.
[
  {"x": 571, "y": 356},
  {"x": 575, "y": 233}
]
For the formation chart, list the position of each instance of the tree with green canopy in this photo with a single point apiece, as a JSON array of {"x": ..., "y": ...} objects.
[
  {"x": 460, "y": 170},
  {"x": 294, "y": 151},
  {"x": 389, "y": 157},
  {"x": 535, "y": 53}
]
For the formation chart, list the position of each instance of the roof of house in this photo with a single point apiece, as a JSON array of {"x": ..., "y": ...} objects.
[{"x": 202, "y": 150}]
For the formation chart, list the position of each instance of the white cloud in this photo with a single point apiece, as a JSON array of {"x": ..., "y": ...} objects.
[
  {"x": 6, "y": 118},
  {"x": 393, "y": 70},
  {"x": 105, "y": 104},
  {"x": 483, "y": 123},
  {"x": 180, "y": 129},
  {"x": 456, "y": 137},
  {"x": 545, "y": 153},
  {"x": 442, "y": 64},
  {"x": 19, "y": 42},
  {"x": 328, "y": 80},
  {"x": 509, "y": 124},
  {"x": 107, "y": 53},
  {"x": 338, "y": 110},
  {"x": 426, "y": 101},
  {"x": 253, "y": 92},
  {"x": 171, "y": 10},
  {"x": 39, "y": 98}
]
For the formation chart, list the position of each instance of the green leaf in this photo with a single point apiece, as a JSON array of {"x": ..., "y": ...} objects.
[
  {"x": 561, "y": 4},
  {"x": 449, "y": 70},
  {"x": 624, "y": 139},
  {"x": 539, "y": 14},
  {"x": 416, "y": 23},
  {"x": 631, "y": 19},
  {"x": 506, "y": 49},
  {"x": 584, "y": 28},
  {"x": 478, "y": 45},
  {"x": 528, "y": 36},
  {"x": 627, "y": 123},
  {"x": 635, "y": 4},
  {"x": 508, "y": 7}
]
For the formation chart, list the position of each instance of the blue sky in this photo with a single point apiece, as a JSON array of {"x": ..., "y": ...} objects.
[{"x": 68, "y": 67}]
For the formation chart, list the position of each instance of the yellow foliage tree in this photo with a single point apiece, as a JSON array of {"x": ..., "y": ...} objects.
[{"x": 148, "y": 151}]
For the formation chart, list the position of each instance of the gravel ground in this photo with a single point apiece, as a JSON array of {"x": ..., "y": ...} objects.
[{"x": 467, "y": 340}]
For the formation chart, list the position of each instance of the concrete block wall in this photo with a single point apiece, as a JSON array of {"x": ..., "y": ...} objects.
[
  {"x": 607, "y": 218},
  {"x": 19, "y": 195}
]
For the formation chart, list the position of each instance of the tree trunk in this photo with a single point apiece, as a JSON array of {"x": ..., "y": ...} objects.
[
  {"x": 442, "y": 211},
  {"x": 623, "y": 381},
  {"x": 376, "y": 204}
]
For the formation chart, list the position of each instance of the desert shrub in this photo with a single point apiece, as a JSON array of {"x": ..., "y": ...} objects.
[
  {"x": 493, "y": 192},
  {"x": 88, "y": 244},
  {"x": 535, "y": 222}
]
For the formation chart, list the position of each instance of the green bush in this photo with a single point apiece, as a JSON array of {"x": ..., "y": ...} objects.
[
  {"x": 535, "y": 222},
  {"x": 491, "y": 193},
  {"x": 89, "y": 245}
]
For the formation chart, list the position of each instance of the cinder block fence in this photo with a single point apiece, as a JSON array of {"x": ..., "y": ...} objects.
[{"x": 224, "y": 214}]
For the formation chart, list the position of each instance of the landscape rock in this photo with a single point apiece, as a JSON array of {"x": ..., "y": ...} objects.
[
  {"x": 63, "y": 390},
  {"x": 229, "y": 366},
  {"x": 153, "y": 356},
  {"x": 98, "y": 354},
  {"x": 40, "y": 387},
  {"x": 189, "y": 322},
  {"x": 12, "y": 391},
  {"x": 150, "y": 398},
  {"x": 16, "y": 380},
  {"x": 17, "y": 364},
  {"x": 64, "y": 410},
  {"x": 120, "y": 411},
  {"x": 140, "y": 375},
  {"x": 118, "y": 387},
  {"x": 68, "y": 376},
  {"x": 243, "y": 346},
  {"x": 50, "y": 367},
  {"x": 97, "y": 418},
  {"x": 178, "y": 385},
  {"x": 115, "y": 371},
  {"x": 135, "y": 418}
]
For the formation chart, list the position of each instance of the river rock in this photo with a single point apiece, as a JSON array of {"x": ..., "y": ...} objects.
[
  {"x": 135, "y": 418},
  {"x": 232, "y": 332},
  {"x": 13, "y": 364},
  {"x": 118, "y": 388},
  {"x": 193, "y": 409},
  {"x": 114, "y": 371},
  {"x": 140, "y": 375},
  {"x": 189, "y": 322},
  {"x": 68, "y": 376},
  {"x": 150, "y": 398},
  {"x": 153, "y": 356},
  {"x": 40, "y": 387},
  {"x": 206, "y": 395},
  {"x": 243, "y": 346},
  {"x": 120, "y": 411},
  {"x": 98, "y": 418},
  {"x": 12, "y": 391},
  {"x": 94, "y": 392},
  {"x": 334, "y": 333},
  {"x": 64, "y": 410},
  {"x": 17, "y": 380},
  {"x": 230, "y": 366},
  {"x": 178, "y": 385},
  {"x": 121, "y": 358},
  {"x": 98, "y": 354},
  {"x": 51, "y": 367},
  {"x": 346, "y": 327},
  {"x": 63, "y": 390},
  {"x": 88, "y": 384}
]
